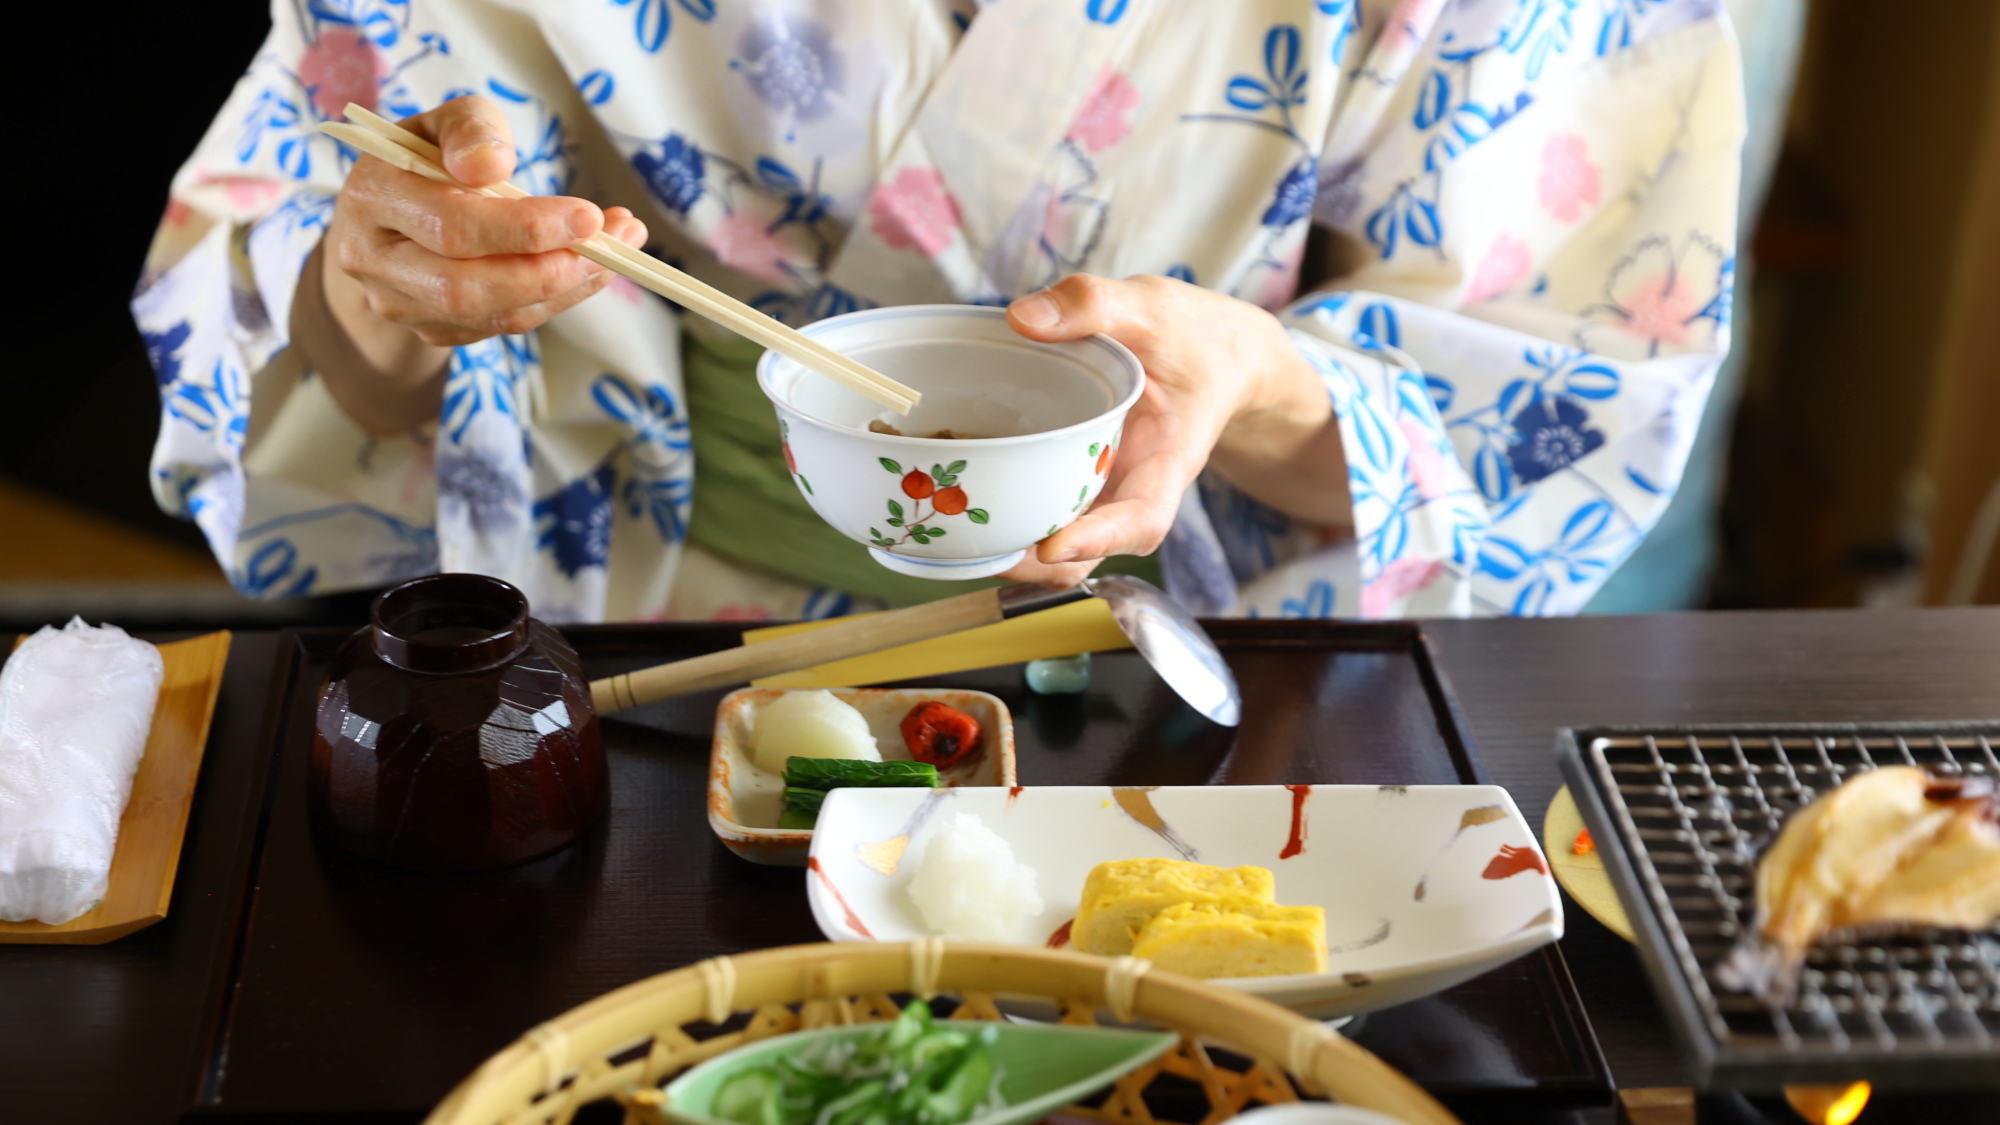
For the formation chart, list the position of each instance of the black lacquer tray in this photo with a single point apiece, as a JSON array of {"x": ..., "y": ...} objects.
[
  {"x": 354, "y": 988},
  {"x": 1681, "y": 815}
]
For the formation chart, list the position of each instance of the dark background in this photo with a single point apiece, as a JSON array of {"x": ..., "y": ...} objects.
[{"x": 81, "y": 403}]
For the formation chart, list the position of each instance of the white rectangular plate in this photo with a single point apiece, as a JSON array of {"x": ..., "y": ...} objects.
[{"x": 1424, "y": 886}]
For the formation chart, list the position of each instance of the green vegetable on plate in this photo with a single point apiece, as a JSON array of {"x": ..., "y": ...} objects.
[
  {"x": 913, "y": 1070},
  {"x": 804, "y": 800},
  {"x": 808, "y": 780},
  {"x": 910, "y": 1071},
  {"x": 851, "y": 773}
]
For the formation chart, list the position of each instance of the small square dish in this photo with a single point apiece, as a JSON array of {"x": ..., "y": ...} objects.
[
  {"x": 1423, "y": 886},
  {"x": 744, "y": 801}
]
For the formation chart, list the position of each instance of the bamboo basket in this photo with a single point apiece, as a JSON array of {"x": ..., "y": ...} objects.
[{"x": 625, "y": 1045}]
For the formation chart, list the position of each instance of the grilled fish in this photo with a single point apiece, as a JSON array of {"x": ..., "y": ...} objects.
[{"x": 1892, "y": 847}]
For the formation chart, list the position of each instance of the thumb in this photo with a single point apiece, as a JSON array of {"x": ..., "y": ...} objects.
[
  {"x": 477, "y": 144},
  {"x": 1077, "y": 306}
]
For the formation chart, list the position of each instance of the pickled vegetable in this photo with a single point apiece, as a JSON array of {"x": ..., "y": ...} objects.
[
  {"x": 837, "y": 773},
  {"x": 808, "y": 780},
  {"x": 913, "y": 1071},
  {"x": 811, "y": 724},
  {"x": 941, "y": 735}
]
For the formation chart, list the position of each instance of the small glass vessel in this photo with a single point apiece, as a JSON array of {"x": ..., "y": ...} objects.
[{"x": 455, "y": 732}]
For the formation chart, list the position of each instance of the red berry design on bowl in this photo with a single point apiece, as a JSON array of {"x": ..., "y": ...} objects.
[
  {"x": 791, "y": 465},
  {"x": 939, "y": 486},
  {"x": 1104, "y": 461}
]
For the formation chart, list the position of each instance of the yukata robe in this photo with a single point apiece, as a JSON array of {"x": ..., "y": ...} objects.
[{"x": 1537, "y": 198}]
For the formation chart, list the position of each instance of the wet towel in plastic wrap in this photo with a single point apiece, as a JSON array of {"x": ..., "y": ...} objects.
[{"x": 75, "y": 709}]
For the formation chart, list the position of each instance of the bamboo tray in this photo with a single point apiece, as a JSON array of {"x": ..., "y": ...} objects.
[
  {"x": 622, "y": 1046},
  {"x": 149, "y": 834}
]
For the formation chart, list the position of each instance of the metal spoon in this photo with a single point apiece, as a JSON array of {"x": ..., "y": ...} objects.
[
  {"x": 1168, "y": 636},
  {"x": 1164, "y": 633}
]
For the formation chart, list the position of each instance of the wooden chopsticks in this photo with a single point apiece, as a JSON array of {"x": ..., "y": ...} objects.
[{"x": 380, "y": 137}]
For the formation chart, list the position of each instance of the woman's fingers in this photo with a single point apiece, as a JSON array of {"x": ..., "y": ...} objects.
[
  {"x": 1059, "y": 577},
  {"x": 420, "y": 317},
  {"x": 1203, "y": 354},
  {"x": 474, "y": 292},
  {"x": 456, "y": 267},
  {"x": 1081, "y": 305},
  {"x": 626, "y": 227},
  {"x": 458, "y": 224},
  {"x": 1133, "y": 514},
  {"x": 473, "y": 134}
]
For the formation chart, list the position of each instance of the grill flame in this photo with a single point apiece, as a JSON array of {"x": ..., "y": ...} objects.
[{"x": 1829, "y": 1105}]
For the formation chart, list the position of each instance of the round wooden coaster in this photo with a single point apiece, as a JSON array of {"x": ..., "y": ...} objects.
[{"x": 1581, "y": 875}]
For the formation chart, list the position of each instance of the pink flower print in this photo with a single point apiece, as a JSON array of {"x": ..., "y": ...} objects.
[
  {"x": 914, "y": 210},
  {"x": 1397, "y": 581},
  {"x": 177, "y": 213},
  {"x": 1409, "y": 22},
  {"x": 734, "y": 612},
  {"x": 746, "y": 244},
  {"x": 1281, "y": 283},
  {"x": 1658, "y": 309},
  {"x": 1427, "y": 470},
  {"x": 1570, "y": 182},
  {"x": 1106, "y": 116},
  {"x": 1507, "y": 261},
  {"x": 341, "y": 67},
  {"x": 245, "y": 193}
]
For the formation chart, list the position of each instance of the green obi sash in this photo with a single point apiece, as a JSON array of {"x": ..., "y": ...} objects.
[{"x": 748, "y": 510}]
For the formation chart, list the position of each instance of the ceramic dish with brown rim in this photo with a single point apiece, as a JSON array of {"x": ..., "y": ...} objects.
[{"x": 744, "y": 801}]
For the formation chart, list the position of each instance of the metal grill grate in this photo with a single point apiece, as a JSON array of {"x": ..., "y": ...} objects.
[{"x": 1694, "y": 809}]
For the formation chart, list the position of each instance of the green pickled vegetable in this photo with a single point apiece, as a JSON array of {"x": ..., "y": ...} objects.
[
  {"x": 914, "y": 1071},
  {"x": 752, "y": 1097},
  {"x": 804, "y": 800},
  {"x": 849, "y": 773},
  {"x": 808, "y": 780}
]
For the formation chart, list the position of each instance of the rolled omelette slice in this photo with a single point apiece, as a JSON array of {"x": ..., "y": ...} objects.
[
  {"x": 1120, "y": 896},
  {"x": 1252, "y": 941}
]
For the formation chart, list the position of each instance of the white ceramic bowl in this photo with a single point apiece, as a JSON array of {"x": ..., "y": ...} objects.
[
  {"x": 744, "y": 801},
  {"x": 1424, "y": 886},
  {"x": 1046, "y": 419}
]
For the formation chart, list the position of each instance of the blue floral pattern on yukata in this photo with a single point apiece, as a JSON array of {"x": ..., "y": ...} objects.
[{"x": 1515, "y": 397}]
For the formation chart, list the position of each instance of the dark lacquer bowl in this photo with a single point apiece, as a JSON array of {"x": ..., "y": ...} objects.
[{"x": 455, "y": 732}]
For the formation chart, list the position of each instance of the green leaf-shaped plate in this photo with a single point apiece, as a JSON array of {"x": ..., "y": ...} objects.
[{"x": 1043, "y": 1067}]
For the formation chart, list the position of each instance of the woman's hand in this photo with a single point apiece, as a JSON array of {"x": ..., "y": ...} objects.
[
  {"x": 1225, "y": 385},
  {"x": 411, "y": 268}
]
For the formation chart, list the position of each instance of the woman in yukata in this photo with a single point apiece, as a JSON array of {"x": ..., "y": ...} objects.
[{"x": 1529, "y": 206}]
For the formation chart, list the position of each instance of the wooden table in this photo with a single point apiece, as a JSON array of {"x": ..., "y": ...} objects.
[{"x": 113, "y": 1036}]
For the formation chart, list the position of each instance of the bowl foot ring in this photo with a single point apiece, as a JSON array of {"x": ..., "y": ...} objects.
[{"x": 948, "y": 569}]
